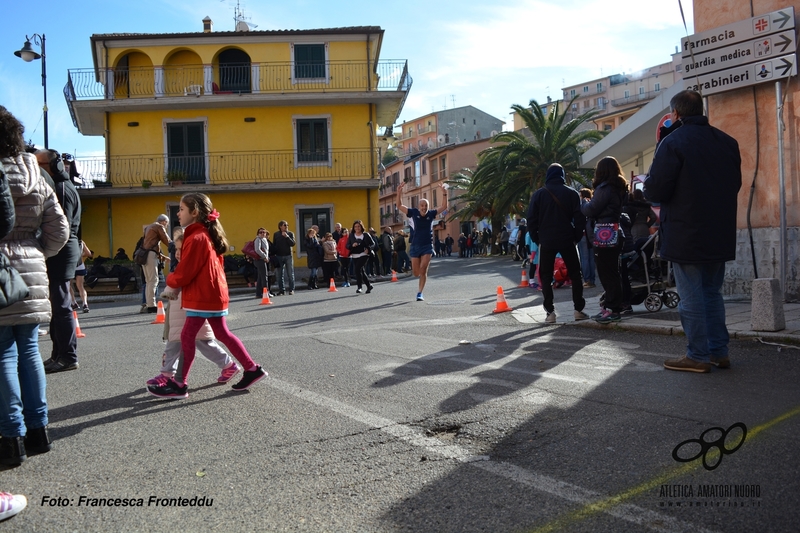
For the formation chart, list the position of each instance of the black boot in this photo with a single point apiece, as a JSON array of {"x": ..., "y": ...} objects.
[
  {"x": 37, "y": 441},
  {"x": 12, "y": 450}
]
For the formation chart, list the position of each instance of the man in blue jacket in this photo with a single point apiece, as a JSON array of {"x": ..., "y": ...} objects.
[
  {"x": 555, "y": 223},
  {"x": 696, "y": 176}
]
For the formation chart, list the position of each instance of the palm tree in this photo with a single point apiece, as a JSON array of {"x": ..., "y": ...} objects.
[{"x": 508, "y": 173}]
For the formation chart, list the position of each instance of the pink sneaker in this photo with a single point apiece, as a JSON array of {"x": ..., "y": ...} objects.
[
  {"x": 228, "y": 372},
  {"x": 159, "y": 380}
]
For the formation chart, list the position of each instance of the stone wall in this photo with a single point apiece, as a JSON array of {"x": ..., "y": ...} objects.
[{"x": 739, "y": 273}]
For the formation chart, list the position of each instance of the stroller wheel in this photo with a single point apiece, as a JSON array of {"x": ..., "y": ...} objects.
[
  {"x": 671, "y": 299},
  {"x": 653, "y": 302}
]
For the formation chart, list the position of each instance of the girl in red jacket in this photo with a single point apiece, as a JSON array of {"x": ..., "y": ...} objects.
[{"x": 201, "y": 277}]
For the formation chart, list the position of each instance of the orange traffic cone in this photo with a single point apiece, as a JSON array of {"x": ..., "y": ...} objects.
[
  {"x": 394, "y": 275},
  {"x": 160, "y": 315},
  {"x": 502, "y": 306},
  {"x": 525, "y": 281},
  {"x": 333, "y": 288},
  {"x": 265, "y": 298},
  {"x": 78, "y": 332}
]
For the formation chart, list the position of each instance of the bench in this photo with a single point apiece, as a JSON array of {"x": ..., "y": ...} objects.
[{"x": 109, "y": 285}]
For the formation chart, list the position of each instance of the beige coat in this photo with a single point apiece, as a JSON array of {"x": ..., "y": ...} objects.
[{"x": 36, "y": 207}]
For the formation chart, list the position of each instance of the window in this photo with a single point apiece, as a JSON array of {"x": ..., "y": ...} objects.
[
  {"x": 443, "y": 166},
  {"x": 424, "y": 166},
  {"x": 417, "y": 173},
  {"x": 309, "y": 61},
  {"x": 435, "y": 199},
  {"x": 395, "y": 181},
  {"x": 186, "y": 152},
  {"x": 627, "y": 94},
  {"x": 312, "y": 142},
  {"x": 586, "y": 104},
  {"x": 474, "y": 122},
  {"x": 657, "y": 87},
  {"x": 319, "y": 216},
  {"x": 599, "y": 87},
  {"x": 585, "y": 89},
  {"x": 641, "y": 90},
  {"x": 407, "y": 175},
  {"x": 463, "y": 121},
  {"x": 572, "y": 93},
  {"x": 234, "y": 71}
]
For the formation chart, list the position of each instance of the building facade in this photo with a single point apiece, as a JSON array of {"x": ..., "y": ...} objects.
[
  {"x": 272, "y": 125},
  {"x": 461, "y": 124}
]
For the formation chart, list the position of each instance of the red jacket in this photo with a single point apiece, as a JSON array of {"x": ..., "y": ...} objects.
[
  {"x": 200, "y": 273},
  {"x": 341, "y": 248}
]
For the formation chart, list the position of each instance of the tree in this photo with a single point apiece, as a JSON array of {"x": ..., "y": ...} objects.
[{"x": 509, "y": 172}]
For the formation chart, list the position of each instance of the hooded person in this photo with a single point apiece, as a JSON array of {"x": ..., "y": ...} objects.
[{"x": 556, "y": 224}]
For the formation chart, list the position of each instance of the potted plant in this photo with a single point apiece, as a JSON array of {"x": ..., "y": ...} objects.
[
  {"x": 146, "y": 184},
  {"x": 176, "y": 177}
]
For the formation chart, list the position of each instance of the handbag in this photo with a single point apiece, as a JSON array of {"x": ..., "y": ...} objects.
[
  {"x": 12, "y": 286},
  {"x": 140, "y": 256},
  {"x": 606, "y": 235}
]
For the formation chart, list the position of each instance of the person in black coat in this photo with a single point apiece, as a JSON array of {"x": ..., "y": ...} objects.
[
  {"x": 696, "y": 176},
  {"x": 313, "y": 256},
  {"x": 61, "y": 268},
  {"x": 555, "y": 223}
]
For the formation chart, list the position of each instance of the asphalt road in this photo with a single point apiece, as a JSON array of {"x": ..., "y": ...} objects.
[{"x": 384, "y": 414}]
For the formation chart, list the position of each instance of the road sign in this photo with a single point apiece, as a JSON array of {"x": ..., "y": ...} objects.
[
  {"x": 744, "y": 75},
  {"x": 744, "y": 30},
  {"x": 666, "y": 120},
  {"x": 764, "y": 47}
]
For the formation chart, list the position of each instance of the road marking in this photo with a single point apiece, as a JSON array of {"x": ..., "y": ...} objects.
[{"x": 567, "y": 491}]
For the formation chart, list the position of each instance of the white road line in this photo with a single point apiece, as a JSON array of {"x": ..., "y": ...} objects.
[{"x": 560, "y": 489}]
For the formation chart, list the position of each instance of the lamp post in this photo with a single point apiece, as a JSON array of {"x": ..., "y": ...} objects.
[{"x": 28, "y": 54}]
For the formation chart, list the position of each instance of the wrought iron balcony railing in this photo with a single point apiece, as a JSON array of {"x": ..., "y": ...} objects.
[
  {"x": 641, "y": 97},
  {"x": 255, "y": 78},
  {"x": 223, "y": 168}
]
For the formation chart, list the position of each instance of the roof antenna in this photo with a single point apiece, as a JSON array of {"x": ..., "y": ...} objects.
[{"x": 239, "y": 17}]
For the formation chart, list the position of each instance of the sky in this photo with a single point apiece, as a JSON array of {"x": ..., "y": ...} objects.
[{"x": 490, "y": 55}]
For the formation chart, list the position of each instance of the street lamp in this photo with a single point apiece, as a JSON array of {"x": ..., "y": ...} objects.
[{"x": 28, "y": 54}]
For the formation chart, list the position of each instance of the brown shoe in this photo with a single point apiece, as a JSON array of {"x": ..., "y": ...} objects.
[
  {"x": 687, "y": 365},
  {"x": 724, "y": 362}
]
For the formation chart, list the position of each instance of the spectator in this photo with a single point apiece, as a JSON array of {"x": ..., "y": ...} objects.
[
  {"x": 403, "y": 260},
  {"x": 585, "y": 247},
  {"x": 387, "y": 249},
  {"x": 698, "y": 225},
  {"x": 154, "y": 235},
  {"x": 283, "y": 243},
  {"x": 261, "y": 246}
]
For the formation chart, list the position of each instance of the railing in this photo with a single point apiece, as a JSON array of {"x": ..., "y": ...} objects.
[
  {"x": 635, "y": 98},
  {"x": 206, "y": 80},
  {"x": 426, "y": 129},
  {"x": 219, "y": 168}
]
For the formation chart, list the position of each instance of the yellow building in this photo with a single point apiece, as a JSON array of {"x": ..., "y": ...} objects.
[{"x": 272, "y": 125}]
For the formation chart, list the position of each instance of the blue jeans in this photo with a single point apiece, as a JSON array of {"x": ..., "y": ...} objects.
[
  {"x": 702, "y": 310},
  {"x": 587, "y": 260},
  {"x": 21, "y": 380},
  {"x": 285, "y": 264}
]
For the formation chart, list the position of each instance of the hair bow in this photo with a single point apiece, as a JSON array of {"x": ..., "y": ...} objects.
[{"x": 213, "y": 215}]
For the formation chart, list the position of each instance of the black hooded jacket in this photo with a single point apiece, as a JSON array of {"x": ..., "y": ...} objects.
[
  {"x": 554, "y": 214},
  {"x": 61, "y": 267}
]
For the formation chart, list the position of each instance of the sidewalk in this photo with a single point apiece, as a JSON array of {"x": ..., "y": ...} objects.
[{"x": 667, "y": 321}]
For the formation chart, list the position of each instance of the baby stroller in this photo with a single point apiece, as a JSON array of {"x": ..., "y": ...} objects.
[{"x": 647, "y": 275}]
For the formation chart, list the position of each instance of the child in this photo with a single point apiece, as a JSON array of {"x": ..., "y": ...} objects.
[
  {"x": 201, "y": 277},
  {"x": 534, "y": 248},
  {"x": 204, "y": 342}
]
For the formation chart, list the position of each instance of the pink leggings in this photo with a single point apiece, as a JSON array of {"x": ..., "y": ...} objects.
[{"x": 223, "y": 334}]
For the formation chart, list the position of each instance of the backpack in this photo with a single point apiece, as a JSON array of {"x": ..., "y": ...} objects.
[{"x": 249, "y": 249}]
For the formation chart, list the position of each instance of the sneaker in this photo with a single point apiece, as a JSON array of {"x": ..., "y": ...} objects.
[
  {"x": 58, "y": 366},
  {"x": 580, "y": 315},
  {"x": 627, "y": 310},
  {"x": 369, "y": 289},
  {"x": 345, "y": 284},
  {"x": 85, "y": 308},
  {"x": 152, "y": 310},
  {"x": 600, "y": 314},
  {"x": 250, "y": 378},
  {"x": 687, "y": 365},
  {"x": 169, "y": 390},
  {"x": 358, "y": 290},
  {"x": 608, "y": 316},
  {"x": 420, "y": 297},
  {"x": 74, "y": 306},
  {"x": 723, "y": 362},
  {"x": 160, "y": 380},
  {"x": 228, "y": 372},
  {"x": 12, "y": 451},
  {"x": 551, "y": 317},
  {"x": 588, "y": 285},
  {"x": 11, "y": 504},
  {"x": 143, "y": 310}
]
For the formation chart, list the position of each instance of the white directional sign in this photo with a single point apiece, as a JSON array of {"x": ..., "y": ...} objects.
[
  {"x": 741, "y": 54},
  {"x": 743, "y": 76},
  {"x": 765, "y": 47},
  {"x": 744, "y": 30}
]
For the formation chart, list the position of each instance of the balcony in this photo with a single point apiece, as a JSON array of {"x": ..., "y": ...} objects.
[
  {"x": 92, "y": 92},
  {"x": 228, "y": 168},
  {"x": 643, "y": 97},
  {"x": 426, "y": 129}
]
